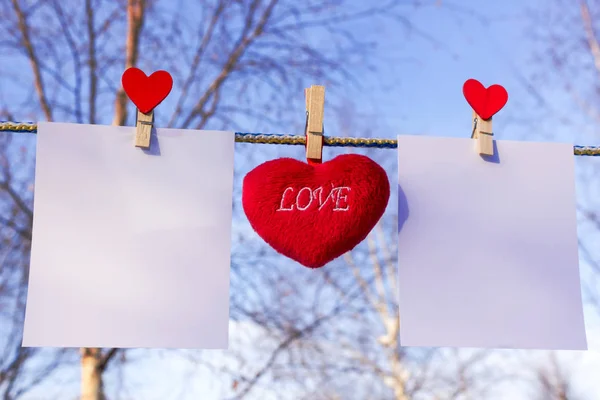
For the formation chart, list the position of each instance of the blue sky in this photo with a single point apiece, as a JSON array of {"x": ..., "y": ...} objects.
[
  {"x": 417, "y": 89},
  {"x": 427, "y": 77}
]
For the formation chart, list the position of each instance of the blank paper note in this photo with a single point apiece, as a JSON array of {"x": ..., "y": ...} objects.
[
  {"x": 487, "y": 249},
  {"x": 131, "y": 247}
]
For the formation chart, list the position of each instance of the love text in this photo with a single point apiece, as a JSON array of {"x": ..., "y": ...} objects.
[{"x": 307, "y": 198}]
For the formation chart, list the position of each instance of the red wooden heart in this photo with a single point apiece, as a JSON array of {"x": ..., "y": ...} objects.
[
  {"x": 485, "y": 102},
  {"x": 315, "y": 213},
  {"x": 146, "y": 92}
]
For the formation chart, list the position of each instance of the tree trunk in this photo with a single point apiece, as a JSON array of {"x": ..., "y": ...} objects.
[
  {"x": 91, "y": 375},
  {"x": 135, "y": 23}
]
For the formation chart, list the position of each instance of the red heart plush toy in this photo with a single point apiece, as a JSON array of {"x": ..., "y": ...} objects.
[{"x": 315, "y": 213}]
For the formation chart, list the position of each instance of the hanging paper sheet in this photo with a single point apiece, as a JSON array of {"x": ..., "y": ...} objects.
[
  {"x": 131, "y": 247},
  {"x": 487, "y": 249}
]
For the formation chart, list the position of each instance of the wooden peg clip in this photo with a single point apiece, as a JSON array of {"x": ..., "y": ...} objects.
[
  {"x": 315, "y": 108},
  {"x": 143, "y": 129},
  {"x": 483, "y": 134}
]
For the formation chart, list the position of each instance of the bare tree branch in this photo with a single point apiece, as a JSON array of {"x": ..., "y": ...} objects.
[
  {"x": 249, "y": 34},
  {"x": 200, "y": 51},
  {"x": 33, "y": 59},
  {"x": 89, "y": 11},
  {"x": 135, "y": 23},
  {"x": 106, "y": 358}
]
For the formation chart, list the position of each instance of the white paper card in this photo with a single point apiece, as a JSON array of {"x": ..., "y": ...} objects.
[
  {"x": 131, "y": 247},
  {"x": 487, "y": 249}
]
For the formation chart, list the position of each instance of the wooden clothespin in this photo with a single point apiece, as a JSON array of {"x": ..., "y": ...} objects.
[
  {"x": 143, "y": 129},
  {"x": 483, "y": 134},
  {"x": 315, "y": 108}
]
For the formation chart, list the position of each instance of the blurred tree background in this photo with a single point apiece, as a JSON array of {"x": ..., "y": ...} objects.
[{"x": 390, "y": 67}]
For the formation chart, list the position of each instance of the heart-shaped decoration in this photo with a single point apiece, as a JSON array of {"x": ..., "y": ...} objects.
[
  {"x": 315, "y": 213},
  {"x": 146, "y": 92},
  {"x": 485, "y": 102}
]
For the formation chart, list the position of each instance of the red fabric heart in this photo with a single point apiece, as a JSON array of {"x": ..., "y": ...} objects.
[
  {"x": 146, "y": 92},
  {"x": 485, "y": 102},
  {"x": 315, "y": 213}
]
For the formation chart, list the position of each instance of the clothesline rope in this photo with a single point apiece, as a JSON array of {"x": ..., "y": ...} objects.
[{"x": 272, "y": 138}]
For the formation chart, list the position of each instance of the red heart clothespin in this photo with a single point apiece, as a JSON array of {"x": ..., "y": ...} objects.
[
  {"x": 146, "y": 92},
  {"x": 485, "y": 103}
]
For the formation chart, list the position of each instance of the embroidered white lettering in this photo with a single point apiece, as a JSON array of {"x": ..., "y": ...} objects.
[
  {"x": 310, "y": 199},
  {"x": 341, "y": 202},
  {"x": 305, "y": 197},
  {"x": 281, "y": 205}
]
